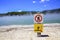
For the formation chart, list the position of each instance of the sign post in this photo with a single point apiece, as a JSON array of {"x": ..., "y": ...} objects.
[{"x": 38, "y": 26}]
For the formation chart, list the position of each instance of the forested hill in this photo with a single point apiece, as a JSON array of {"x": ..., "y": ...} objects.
[
  {"x": 30, "y": 12},
  {"x": 52, "y": 11}
]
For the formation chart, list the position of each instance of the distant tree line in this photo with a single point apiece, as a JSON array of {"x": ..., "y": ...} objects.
[
  {"x": 30, "y": 12},
  {"x": 51, "y": 11},
  {"x": 18, "y": 13}
]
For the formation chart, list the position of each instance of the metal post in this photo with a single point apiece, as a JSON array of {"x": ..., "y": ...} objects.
[{"x": 38, "y": 34}]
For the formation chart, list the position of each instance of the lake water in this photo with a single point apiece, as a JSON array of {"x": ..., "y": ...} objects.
[{"x": 28, "y": 19}]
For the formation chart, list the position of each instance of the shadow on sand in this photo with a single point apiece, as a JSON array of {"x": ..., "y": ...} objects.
[{"x": 44, "y": 35}]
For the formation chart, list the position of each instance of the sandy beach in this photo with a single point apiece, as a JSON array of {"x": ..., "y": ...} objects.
[{"x": 26, "y": 32}]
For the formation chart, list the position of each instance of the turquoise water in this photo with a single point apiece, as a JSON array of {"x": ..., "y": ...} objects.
[{"x": 28, "y": 19}]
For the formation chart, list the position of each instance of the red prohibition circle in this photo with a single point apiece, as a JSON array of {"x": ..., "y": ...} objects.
[{"x": 38, "y": 20}]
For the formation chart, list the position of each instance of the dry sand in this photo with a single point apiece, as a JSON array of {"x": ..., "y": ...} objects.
[{"x": 25, "y": 32}]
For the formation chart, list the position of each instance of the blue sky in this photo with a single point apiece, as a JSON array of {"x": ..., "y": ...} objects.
[{"x": 28, "y": 5}]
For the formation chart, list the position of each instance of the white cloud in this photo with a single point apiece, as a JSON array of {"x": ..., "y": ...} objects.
[
  {"x": 34, "y": 1},
  {"x": 42, "y": 1},
  {"x": 19, "y": 10}
]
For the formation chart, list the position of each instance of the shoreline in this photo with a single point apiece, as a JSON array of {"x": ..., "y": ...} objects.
[{"x": 45, "y": 25}]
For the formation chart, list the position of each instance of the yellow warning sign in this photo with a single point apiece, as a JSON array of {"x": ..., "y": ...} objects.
[{"x": 38, "y": 27}]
